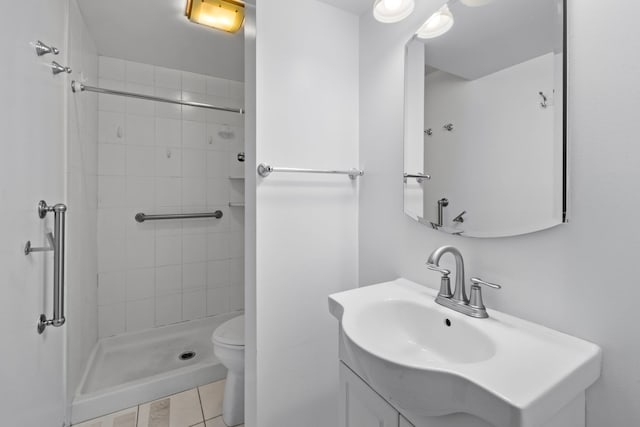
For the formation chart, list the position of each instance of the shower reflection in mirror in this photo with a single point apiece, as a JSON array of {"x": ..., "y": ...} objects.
[{"x": 484, "y": 116}]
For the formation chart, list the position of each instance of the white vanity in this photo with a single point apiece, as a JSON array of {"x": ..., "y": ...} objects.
[
  {"x": 407, "y": 361},
  {"x": 485, "y": 156}
]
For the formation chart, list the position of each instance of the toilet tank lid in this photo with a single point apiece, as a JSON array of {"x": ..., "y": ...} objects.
[{"x": 230, "y": 332}]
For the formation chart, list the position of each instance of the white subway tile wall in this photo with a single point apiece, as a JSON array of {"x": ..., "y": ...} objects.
[{"x": 161, "y": 158}]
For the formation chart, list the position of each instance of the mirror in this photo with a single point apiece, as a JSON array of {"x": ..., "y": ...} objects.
[{"x": 485, "y": 132}]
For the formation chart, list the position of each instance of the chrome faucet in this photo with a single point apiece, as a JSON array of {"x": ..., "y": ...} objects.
[
  {"x": 458, "y": 300},
  {"x": 459, "y": 294}
]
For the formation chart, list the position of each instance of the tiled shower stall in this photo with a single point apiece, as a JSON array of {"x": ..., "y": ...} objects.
[{"x": 163, "y": 158}]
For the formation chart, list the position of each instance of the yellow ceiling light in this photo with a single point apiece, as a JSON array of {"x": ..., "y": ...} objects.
[{"x": 225, "y": 15}]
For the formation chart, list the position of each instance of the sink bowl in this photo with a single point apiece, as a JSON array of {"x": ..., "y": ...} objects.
[
  {"x": 430, "y": 361},
  {"x": 394, "y": 330}
]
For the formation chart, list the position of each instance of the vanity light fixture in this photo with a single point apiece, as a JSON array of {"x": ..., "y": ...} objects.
[
  {"x": 437, "y": 24},
  {"x": 225, "y": 15},
  {"x": 390, "y": 11}
]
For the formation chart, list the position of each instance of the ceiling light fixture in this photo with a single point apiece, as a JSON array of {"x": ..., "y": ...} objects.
[
  {"x": 437, "y": 24},
  {"x": 390, "y": 11},
  {"x": 225, "y": 15}
]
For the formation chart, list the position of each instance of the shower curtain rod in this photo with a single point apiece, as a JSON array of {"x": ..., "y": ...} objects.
[{"x": 79, "y": 87}]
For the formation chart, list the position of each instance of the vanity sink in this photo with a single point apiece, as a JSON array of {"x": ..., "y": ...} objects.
[
  {"x": 430, "y": 361},
  {"x": 412, "y": 334}
]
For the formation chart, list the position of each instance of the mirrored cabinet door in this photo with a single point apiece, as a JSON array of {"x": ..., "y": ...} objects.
[{"x": 485, "y": 138}]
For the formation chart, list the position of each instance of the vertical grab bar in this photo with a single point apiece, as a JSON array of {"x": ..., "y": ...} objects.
[
  {"x": 442, "y": 203},
  {"x": 58, "y": 248},
  {"x": 60, "y": 217}
]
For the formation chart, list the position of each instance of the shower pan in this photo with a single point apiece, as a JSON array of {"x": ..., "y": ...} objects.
[{"x": 128, "y": 369}]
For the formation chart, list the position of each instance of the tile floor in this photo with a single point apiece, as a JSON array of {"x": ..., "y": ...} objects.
[{"x": 198, "y": 407}]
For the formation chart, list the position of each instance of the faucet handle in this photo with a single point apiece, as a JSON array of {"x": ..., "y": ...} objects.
[
  {"x": 475, "y": 299},
  {"x": 445, "y": 282},
  {"x": 439, "y": 269},
  {"x": 478, "y": 281}
]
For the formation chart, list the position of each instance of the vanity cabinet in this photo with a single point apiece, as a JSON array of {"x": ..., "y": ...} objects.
[{"x": 360, "y": 406}]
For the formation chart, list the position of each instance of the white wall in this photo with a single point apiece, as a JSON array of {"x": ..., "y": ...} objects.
[
  {"x": 165, "y": 158},
  {"x": 306, "y": 225},
  {"x": 32, "y": 117},
  {"x": 579, "y": 278},
  {"x": 82, "y": 189}
]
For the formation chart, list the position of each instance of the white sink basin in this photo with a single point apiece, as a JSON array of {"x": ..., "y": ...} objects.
[
  {"x": 430, "y": 361},
  {"x": 396, "y": 329}
]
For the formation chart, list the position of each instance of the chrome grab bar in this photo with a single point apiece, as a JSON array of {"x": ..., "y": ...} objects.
[
  {"x": 264, "y": 170},
  {"x": 142, "y": 217},
  {"x": 80, "y": 87},
  {"x": 418, "y": 176},
  {"x": 57, "y": 242},
  {"x": 442, "y": 203}
]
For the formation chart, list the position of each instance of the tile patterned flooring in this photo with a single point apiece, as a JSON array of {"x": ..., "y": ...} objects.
[{"x": 198, "y": 407}]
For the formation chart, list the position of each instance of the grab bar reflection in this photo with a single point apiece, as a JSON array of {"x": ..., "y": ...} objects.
[
  {"x": 418, "y": 176},
  {"x": 264, "y": 170},
  {"x": 57, "y": 242},
  {"x": 142, "y": 217},
  {"x": 442, "y": 203}
]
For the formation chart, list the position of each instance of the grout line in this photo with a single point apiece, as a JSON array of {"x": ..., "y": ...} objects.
[{"x": 201, "y": 407}]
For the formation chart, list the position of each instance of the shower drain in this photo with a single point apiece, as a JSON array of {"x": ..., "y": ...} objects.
[{"x": 187, "y": 355}]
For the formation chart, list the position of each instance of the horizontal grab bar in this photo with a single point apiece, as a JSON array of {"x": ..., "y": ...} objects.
[
  {"x": 420, "y": 177},
  {"x": 142, "y": 217},
  {"x": 417, "y": 175},
  {"x": 264, "y": 170}
]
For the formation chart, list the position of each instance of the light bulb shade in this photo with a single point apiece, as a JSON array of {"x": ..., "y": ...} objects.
[
  {"x": 225, "y": 15},
  {"x": 390, "y": 11},
  {"x": 437, "y": 24}
]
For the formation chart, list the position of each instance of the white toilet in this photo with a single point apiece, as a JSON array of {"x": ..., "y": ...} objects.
[{"x": 228, "y": 346}]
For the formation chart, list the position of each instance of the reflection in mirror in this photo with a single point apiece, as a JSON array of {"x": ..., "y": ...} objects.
[{"x": 485, "y": 138}]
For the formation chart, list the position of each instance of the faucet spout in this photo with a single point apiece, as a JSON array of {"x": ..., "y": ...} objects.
[{"x": 459, "y": 294}]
